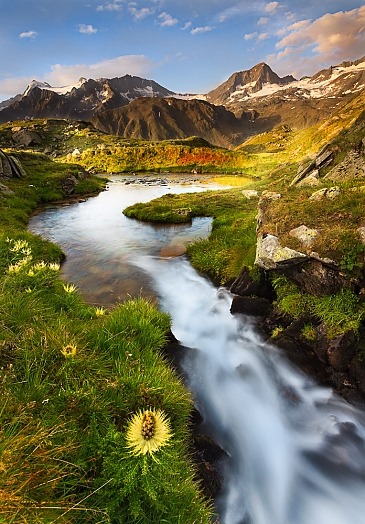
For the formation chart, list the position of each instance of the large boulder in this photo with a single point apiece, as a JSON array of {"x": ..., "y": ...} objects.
[
  {"x": 10, "y": 166},
  {"x": 270, "y": 254},
  {"x": 26, "y": 137}
]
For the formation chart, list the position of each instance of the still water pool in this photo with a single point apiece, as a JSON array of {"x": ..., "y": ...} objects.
[{"x": 101, "y": 243}]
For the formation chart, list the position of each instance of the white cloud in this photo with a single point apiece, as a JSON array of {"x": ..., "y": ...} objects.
[
  {"x": 263, "y": 20},
  {"x": 203, "y": 29},
  {"x": 87, "y": 29},
  {"x": 112, "y": 6},
  {"x": 249, "y": 36},
  {"x": 186, "y": 26},
  {"x": 63, "y": 75},
  {"x": 139, "y": 14},
  {"x": 263, "y": 36},
  {"x": 167, "y": 20},
  {"x": 28, "y": 34},
  {"x": 271, "y": 7},
  {"x": 299, "y": 25},
  {"x": 238, "y": 9},
  {"x": 60, "y": 75},
  {"x": 330, "y": 39}
]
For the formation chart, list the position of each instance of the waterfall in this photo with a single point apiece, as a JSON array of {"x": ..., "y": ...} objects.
[{"x": 296, "y": 452}]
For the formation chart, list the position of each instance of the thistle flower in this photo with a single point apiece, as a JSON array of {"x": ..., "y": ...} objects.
[
  {"x": 69, "y": 288},
  {"x": 147, "y": 432},
  {"x": 69, "y": 351}
]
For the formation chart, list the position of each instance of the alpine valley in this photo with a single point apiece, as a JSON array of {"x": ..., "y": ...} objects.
[{"x": 90, "y": 393}]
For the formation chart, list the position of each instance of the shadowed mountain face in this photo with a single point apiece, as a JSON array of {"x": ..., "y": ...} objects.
[
  {"x": 248, "y": 103},
  {"x": 171, "y": 118}
]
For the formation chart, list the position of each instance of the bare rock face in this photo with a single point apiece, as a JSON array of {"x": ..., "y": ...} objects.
[
  {"x": 10, "y": 166},
  {"x": 352, "y": 167},
  {"x": 331, "y": 193}
]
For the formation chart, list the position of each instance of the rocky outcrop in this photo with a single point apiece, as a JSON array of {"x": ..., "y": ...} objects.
[
  {"x": 352, "y": 167},
  {"x": 311, "y": 173},
  {"x": 23, "y": 137},
  {"x": 270, "y": 254},
  {"x": 10, "y": 166}
]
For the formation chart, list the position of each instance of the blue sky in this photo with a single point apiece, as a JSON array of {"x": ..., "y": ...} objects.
[{"x": 185, "y": 45}]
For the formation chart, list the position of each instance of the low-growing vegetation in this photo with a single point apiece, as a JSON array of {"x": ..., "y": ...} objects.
[
  {"x": 232, "y": 242},
  {"x": 338, "y": 313},
  {"x": 74, "y": 380}
]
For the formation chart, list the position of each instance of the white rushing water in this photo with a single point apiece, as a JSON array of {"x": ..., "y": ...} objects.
[{"x": 296, "y": 452}]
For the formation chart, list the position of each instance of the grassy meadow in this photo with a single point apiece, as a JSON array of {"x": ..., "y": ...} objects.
[{"x": 83, "y": 389}]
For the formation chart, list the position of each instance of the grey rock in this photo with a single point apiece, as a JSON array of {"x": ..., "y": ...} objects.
[
  {"x": 331, "y": 193},
  {"x": 270, "y": 254},
  {"x": 306, "y": 235},
  {"x": 250, "y": 193}
]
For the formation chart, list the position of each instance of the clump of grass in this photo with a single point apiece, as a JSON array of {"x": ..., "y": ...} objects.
[
  {"x": 339, "y": 313},
  {"x": 232, "y": 242},
  {"x": 72, "y": 376}
]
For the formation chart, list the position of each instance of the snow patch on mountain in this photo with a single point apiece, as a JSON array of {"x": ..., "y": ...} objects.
[
  {"x": 325, "y": 84},
  {"x": 59, "y": 90}
]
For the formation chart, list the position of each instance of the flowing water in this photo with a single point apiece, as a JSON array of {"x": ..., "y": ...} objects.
[{"x": 296, "y": 453}]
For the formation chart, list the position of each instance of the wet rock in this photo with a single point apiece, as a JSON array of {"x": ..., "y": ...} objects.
[
  {"x": 246, "y": 286},
  {"x": 341, "y": 351},
  {"x": 316, "y": 278},
  {"x": 252, "y": 306}
]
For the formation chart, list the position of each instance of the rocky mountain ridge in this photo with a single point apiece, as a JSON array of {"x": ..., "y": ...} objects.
[{"x": 248, "y": 103}]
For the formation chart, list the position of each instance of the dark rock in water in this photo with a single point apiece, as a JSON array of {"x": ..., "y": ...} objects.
[
  {"x": 341, "y": 351},
  {"x": 246, "y": 286},
  {"x": 253, "y": 306}
]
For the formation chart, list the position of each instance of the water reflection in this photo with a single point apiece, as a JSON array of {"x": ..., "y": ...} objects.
[{"x": 100, "y": 242}]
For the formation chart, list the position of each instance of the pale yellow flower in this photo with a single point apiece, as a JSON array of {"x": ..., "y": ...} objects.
[
  {"x": 69, "y": 288},
  {"x": 54, "y": 266},
  {"x": 99, "y": 311},
  {"x": 39, "y": 266},
  {"x": 69, "y": 351},
  {"x": 147, "y": 432}
]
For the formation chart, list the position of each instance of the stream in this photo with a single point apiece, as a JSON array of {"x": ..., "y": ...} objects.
[{"x": 296, "y": 452}]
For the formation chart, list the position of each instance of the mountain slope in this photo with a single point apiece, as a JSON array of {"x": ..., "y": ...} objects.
[
  {"x": 171, "y": 118},
  {"x": 82, "y": 101},
  {"x": 245, "y": 83},
  {"x": 247, "y": 104}
]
